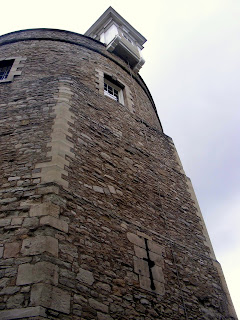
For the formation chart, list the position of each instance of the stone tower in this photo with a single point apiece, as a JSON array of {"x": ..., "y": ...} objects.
[{"x": 98, "y": 219}]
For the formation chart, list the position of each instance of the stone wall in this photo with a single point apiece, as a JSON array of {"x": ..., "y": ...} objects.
[{"x": 97, "y": 218}]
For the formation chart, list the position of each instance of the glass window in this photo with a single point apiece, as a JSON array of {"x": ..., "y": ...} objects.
[
  {"x": 113, "y": 89},
  {"x": 5, "y": 67}
]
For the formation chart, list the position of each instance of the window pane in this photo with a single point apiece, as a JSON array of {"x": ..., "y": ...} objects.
[
  {"x": 5, "y": 67},
  {"x": 110, "y": 89}
]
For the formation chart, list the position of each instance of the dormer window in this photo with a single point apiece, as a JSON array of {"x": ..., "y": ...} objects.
[{"x": 113, "y": 89}]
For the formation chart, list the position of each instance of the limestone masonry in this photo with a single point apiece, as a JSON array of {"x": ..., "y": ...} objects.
[{"x": 98, "y": 219}]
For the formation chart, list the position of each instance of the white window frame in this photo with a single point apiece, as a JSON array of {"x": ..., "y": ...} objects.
[
  {"x": 128, "y": 99},
  {"x": 115, "y": 87}
]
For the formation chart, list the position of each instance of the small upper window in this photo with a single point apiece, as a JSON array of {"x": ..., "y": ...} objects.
[
  {"x": 110, "y": 91},
  {"x": 5, "y": 67},
  {"x": 113, "y": 89}
]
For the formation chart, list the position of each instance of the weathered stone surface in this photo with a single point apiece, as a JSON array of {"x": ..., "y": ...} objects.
[
  {"x": 157, "y": 258},
  {"x": 48, "y": 189},
  {"x": 110, "y": 173},
  {"x": 98, "y": 189},
  {"x": 85, "y": 276},
  {"x": 112, "y": 189},
  {"x": 9, "y": 290},
  {"x": 40, "y": 244},
  {"x": 136, "y": 240},
  {"x": 154, "y": 247},
  {"x": 15, "y": 301},
  {"x": 11, "y": 249},
  {"x": 104, "y": 286},
  {"x": 16, "y": 221},
  {"x": 1, "y": 251},
  {"x": 157, "y": 274},
  {"x": 30, "y": 222},
  {"x": 141, "y": 267},
  {"x": 145, "y": 283},
  {"x": 102, "y": 316},
  {"x": 54, "y": 222},
  {"x": 50, "y": 297},
  {"x": 4, "y": 222},
  {"x": 40, "y": 272},
  {"x": 140, "y": 252},
  {"x": 4, "y": 282},
  {"x": 98, "y": 305},
  {"x": 45, "y": 209},
  {"x": 22, "y": 313}
]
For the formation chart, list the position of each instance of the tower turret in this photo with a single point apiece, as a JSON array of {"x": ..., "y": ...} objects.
[
  {"x": 98, "y": 219},
  {"x": 119, "y": 36}
]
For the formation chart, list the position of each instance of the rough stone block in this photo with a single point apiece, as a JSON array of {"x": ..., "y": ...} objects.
[
  {"x": 112, "y": 189},
  {"x": 157, "y": 258},
  {"x": 155, "y": 247},
  {"x": 98, "y": 189},
  {"x": 22, "y": 313},
  {"x": 48, "y": 189},
  {"x": 98, "y": 305},
  {"x": 40, "y": 272},
  {"x": 55, "y": 223},
  {"x": 102, "y": 316},
  {"x": 50, "y": 297},
  {"x": 11, "y": 249},
  {"x": 141, "y": 267},
  {"x": 15, "y": 301},
  {"x": 45, "y": 209},
  {"x": 159, "y": 287},
  {"x": 4, "y": 282},
  {"x": 140, "y": 252},
  {"x": 157, "y": 274},
  {"x": 145, "y": 283},
  {"x": 5, "y": 222},
  {"x": 54, "y": 173},
  {"x": 144, "y": 235},
  {"x": 85, "y": 276},
  {"x": 136, "y": 240},
  {"x": 9, "y": 290},
  {"x": 1, "y": 251},
  {"x": 30, "y": 222},
  {"x": 16, "y": 221},
  {"x": 40, "y": 244}
]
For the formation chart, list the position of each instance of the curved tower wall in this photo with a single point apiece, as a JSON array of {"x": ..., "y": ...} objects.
[{"x": 98, "y": 218}]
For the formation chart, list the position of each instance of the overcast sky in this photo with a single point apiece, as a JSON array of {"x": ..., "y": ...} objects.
[{"x": 193, "y": 72}]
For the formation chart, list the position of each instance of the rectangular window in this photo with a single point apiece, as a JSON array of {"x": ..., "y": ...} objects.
[
  {"x": 110, "y": 91},
  {"x": 113, "y": 89},
  {"x": 5, "y": 67}
]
